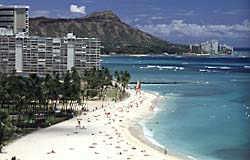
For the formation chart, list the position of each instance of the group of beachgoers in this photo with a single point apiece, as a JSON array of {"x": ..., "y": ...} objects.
[{"x": 101, "y": 134}]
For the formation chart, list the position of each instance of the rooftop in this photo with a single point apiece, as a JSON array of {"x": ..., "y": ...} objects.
[{"x": 14, "y": 6}]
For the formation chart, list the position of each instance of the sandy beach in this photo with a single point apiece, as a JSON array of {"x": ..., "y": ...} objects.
[{"x": 107, "y": 133}]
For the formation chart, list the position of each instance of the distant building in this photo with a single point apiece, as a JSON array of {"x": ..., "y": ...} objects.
[
  {"x": 14, "y": 19},
  {"x": 225, "y": 49},
  {"x": 210, "y": 47},
  {"x": 45, "y": 55}
]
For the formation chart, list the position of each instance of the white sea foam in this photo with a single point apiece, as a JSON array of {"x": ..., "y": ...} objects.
[
  {"x": 181, "y": 68},
  {"x": 211, "y": 67},
  {"x": 215, "y": 71},
  {"x": 163, "y": 67},
  {"x": 171, "y": 67},
  {"x": 178, "y": 56},
  {"x": 147, "y": 132},
  {"x": 190, "y": 157},
  {"x": 149, "y": 135},
  {"x": 156, "y": 109},
  {"x": 153, "y": 141},
  {"x": 203, "y": 70},
  {"x": 166, "y": 67},
  {"x": 154, "y": 92},
  {"x": 248, "y": 67},
  {"x": 225, "y": 67},
  {"x": 171, "y": 94},
  {"x": 150, "y": 66}
]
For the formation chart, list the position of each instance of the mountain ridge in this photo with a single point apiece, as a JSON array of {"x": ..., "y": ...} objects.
[{"x": 115, "y": 35}]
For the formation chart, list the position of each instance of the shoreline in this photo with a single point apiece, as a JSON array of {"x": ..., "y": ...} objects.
[
  {"x": 100, "y": 136},
  {"x": 130, "y": 55},
  {"x": 136, "y": 130}
]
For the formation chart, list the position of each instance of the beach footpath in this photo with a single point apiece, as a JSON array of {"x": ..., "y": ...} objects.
[{"x": 106, "y": 133}]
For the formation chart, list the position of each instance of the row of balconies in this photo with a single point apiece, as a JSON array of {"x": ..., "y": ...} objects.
[{"x": 6, "y": 18}]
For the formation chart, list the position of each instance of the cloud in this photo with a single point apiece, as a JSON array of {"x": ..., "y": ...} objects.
[
  {"x": 233, "y": 12},
  {"x": 157, "y": 18},
  {"x": 136, "y": 19},
  {"x": 54, "y": 13},
  {"x": 186, "y": 13},
  {"x": 88, "y": 1},
  {"x": 156, "y": 9},
  {"x": 180, "y": 28},
  {"x": 40, "y": 13},
  {"x": 77, "y": 9},
  {"x": 236, "y": 12},
  {"x": 142, "y": 15}
]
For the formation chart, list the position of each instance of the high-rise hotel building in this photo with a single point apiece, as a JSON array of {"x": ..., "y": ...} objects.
[
  {"x": 14, "y": 19},
  {"x": 26, "y": 54},
  {"x": 45, "y": 55}
]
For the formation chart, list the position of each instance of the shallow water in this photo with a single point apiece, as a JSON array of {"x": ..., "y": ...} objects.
[{"x": 208, "y": 119}]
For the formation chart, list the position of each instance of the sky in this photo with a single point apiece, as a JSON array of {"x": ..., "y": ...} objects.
[{"x": 178, "y": 21}]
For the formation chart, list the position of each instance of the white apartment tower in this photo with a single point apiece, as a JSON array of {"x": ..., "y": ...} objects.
[
  {"x": 46, "y": 55},
  {"x": 41, "y": 55},
  {"x": 214, "y": 46},
  {"x": 14, "y": 19}
]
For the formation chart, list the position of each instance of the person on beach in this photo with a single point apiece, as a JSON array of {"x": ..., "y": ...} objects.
[
  {"x": 151, "y": 108},
  {"x": 166, "y": 151},
  {"x": 52, "y": 151},
  {"x": 79, "y": 123},
  {"x": 13, "y": 158}
]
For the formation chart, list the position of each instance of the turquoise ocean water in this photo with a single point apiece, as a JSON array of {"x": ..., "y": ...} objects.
[{"x": 208, "y": 118}]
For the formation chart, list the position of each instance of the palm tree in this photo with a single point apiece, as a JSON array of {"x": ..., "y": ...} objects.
[
  {"x": 56, "y": 88},
  {"x": 122, "y": 78},
  {"x": 66, "y": 90},
  {"x": 75, "y": 86},
  {"x": 117, "y": 76},
  {"x": 46, "y": 86},
  {"x": 107, "y": 79},
  {"x": 91, "y": 82},
  {"x": 20, "y": 92},
  {"x": 126, "y": 78},
  {"x": 103, "y": 79},
  {"x": 5, "y": 127},
  {"x": 4, "y": 95}
]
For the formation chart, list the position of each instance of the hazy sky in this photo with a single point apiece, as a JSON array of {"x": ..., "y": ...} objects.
[{"x": 180, "y": 21}]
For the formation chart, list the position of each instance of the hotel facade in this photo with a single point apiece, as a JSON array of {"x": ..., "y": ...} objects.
[
  {"x": 26, "y": 54},
  {"x": 46, "y": 55},
  {"x": 14, "y": 19}
]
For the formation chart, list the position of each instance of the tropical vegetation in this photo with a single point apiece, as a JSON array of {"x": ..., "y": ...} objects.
[{"x": 32, "y": 101}]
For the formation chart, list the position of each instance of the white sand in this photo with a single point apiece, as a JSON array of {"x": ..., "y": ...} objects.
[{"x": 103, "y": 138}]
